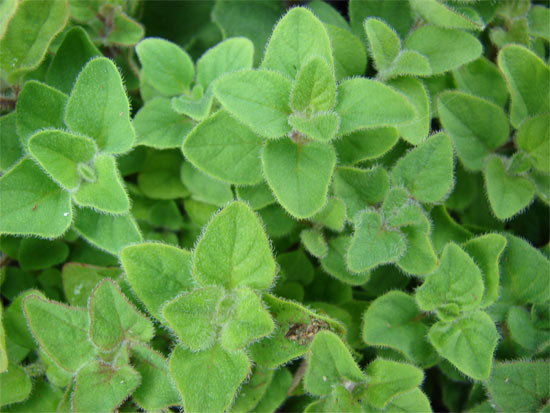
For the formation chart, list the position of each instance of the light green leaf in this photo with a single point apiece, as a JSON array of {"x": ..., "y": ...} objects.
[
  {"x": 365, "y": 103},
  {"x": 32, "y": 204},
  {"x": 107, "y": 232},
  {"x": 192, "y": 317},
  {"x": 539, "y": 21},
  {"x": 533, "y": 137},
  {"x": 412, "y": 402},
  {"x": 314, "y": 243},
  {"x": 276, "y": 393},
  {"x": 467, "y": 342},
  {"x": 508, "y": 194},
  {"x": 257, "y": 196},
  {"x": 114, "y": 384},
  {"x": 427, "y": 170},
  {"x": 408, "y": 63},
  {"x": 388, "y": 379},
  {"x": 258, "y": 98},
  {"x": 159, "y": 177},
  {"x": 446, "y": 49},
  {"x": 16, "y": 385},
  {"x": 320, "y": 126},
  {"x": 528, "y": 79},
  {"x": 384, "y": 43},
  {"x": 3, "y": 350},
  {"x": 80, "y": 279},
  {"x": 372, "y": 244},
  {"x": 443, "y": 15},
  {"x": 157, "y": 273},
  {"x": 167, "y": 67},
  {"x": 420, "y": 258},
  {"x": 299, "y": 174},
  {"x": 233, "y": 251},
  {"x": 314, "y": 89},
  {"x": 200, "y": 389},
  {"x": 476, "y": 126},
  {"x": 350, "y": 58},
  {"x": 197, "y": 106},
  {"x": 296, "y": 38},
  {"x": 334, "y": 263},
  {"x": 205, "y": 188},
  {"x": 67, "y": 344},
  {"x": 524, "y": 331},
  {"x": 253, "y": 391},
  {"x": 333, "y": 215},
  {"x": 15, "y": 323},
  {"x": 98, "y": 107},
  {"x": 27, "y": 35},
  {"x": 329, "y": 362},
  {"x": 158, "y": 126},
  {"x": 10, "y": 149},
  {"x": 365, "y": 144},
  {"x": 113, "y": 319}
]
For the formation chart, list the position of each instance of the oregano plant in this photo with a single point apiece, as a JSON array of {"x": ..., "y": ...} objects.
[{"x": 261, "y": 206}]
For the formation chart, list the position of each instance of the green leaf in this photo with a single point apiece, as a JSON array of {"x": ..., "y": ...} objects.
[
  {"x": 16, "y": 385},
  {"x": 373, "y": 244},
  {"x": 408, "y": 63},
  {"x": 394, "y": 320},
  {"x": 252, "y": 392},
  {"x": 299, "y": 174},
  {"x": 388, "y": 379},
  {"x": 158, "y": 126},
  {"x": 296, "y": 38},
  {"x": 334, "y": 263},
  {"x": 350, "y": 58},
  {"x": 107, "y": 192},
  {"x": 32, "y": 204},
  {"x": 27, "y": 35},
  {"x": 314, "y": 89},
  {"x": 397, "y": 14},
  {"x": 226, "y": 149},
  {"x": 523, "y": 330},
  {"x": 192, "y": 317},
  {"x": 427, "y": 171},
  {"x": 320, "y": 126},
  {"x": 508, "y": 194},
  {"x": 39, "y": 254},
  {"x": 276, "y": 393},
  {"x": 384, "y": 43},
  {"x": 204, "y": 188},
  {"x": 539, "y": 20},
  {"x": 443, "y": 15},
  {"x": 228, "y": 56},
  {"x": 167, "y": 67},
  {"x": 258, "y": 98},
  {"x": 329, "y": 363},
  {"x": 156, "y": 390},
  {"x": 257, "y": 196},
  {"x": 486, "y": 251},
  {"x": 233, "y": 251},
  {"x": 365, "y": 144},
  {"x": 159, "y": 177},
  {"x": 528, "y": 79},
  {"x": 10, "y": 149},
  {"x": 412, "y": 402},
  {"x": 98, "y": 107},
  {"x": 157, "y": 273},
  {"x": 3, "y": 350},
  {"x": 314, "y": 242},
  {"x": 333, "y": 215},
  {"x": 113, "y": 319},
  {"x": 533, "y": 137},
  {"x": 467, "y": 342},
  {"x": 446, "y": 49},
  {"x": 80, "y": 279},
  {"x": 248, "y": 320},
  {"x": 296, "y": 267},
  {"x": 125, "y": 31},
  {"x": 420, "y": 258},
  {"x": 197, "y": 106},
  {"x": 107, "y": 232},
  {"x": 67, "y": 344},
  {"x": 74, "y": 52},
  {"x": 59, "y": 153},
  {"x": 38, "y": 106},
  {"x": 384, "y": 106},
  {"x": 202, "y": 390},
  {"x": 476, "y": 126},
  {"x": 114, "y": 384},
  {"x": 15, "y": 323}
]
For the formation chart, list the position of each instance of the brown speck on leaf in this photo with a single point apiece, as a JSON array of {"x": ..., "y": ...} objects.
[{"x": 304, "y": 333}]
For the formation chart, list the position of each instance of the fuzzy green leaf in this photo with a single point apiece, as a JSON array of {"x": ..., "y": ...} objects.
[
  {"x": 253, "y": 391},
  {"x": 208, "y": 380},
  {"x": 397, "y": 14},
  {"x": 157, "y": 273},
  {"x": 233, "y": 251},
  {"x": 365, "y": 144},
  {"x": 443, "y": 15},
  {"x": 257, "y": 196},
  {"x": 420, "y": 258},
  {"x": 467, "y": 342},
  {"x": 39, "y": 254},
  {"x": 408, "y": 63},
  {"x": 350, "y": 58},
  {"x": 314, "y": 89},
  {"x": 159, "y": 177},
  {"x": 334, "y": 263},
  {"x": 16, "y": 385},
  {"x": 384, "y": 43},
  {"x": 314, "y": 243},
  {"x": 15, "y": 323},
  {"x": 296, "y": 38},
  {"x": 10, "y": 149},
  {"x": 299, "y": 174},
  {"x": 320, "y": 126},
  {"x": 533, "y": 137},
  {"x": 98, "y": 107},
  {"x": 80, "y": 279},
  {"x": 258, "y": 98},
  {"x": 205, "y": 188},
  {"x": 197, "y": 106}
]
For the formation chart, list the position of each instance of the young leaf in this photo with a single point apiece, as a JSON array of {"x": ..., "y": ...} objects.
[
  {"x": 314, "y": 89},
  {"x": 67, "y": 344},
  {"x": 408, "y": 63},
  {"x": 197, "y": 106},
  {"x": 365, "y": 103},
  {"x": 32, "y": 204},
  {"x": 420, "y": 258},
  {"x": 98, "y": 107},
  {"x": 113, "y": 319},
  {"x": 365, "y": 144},
  {"x": 233, "y": 251},
  {"x": 467, "y": 342},
  {"x": 314, "y": 243},
  {"x": 167, "y": 67},
  {"x": 476, "y": 126},
  {"x": 334, "y": 263},
  {"x": 508, "y": 194},
  {"x": 427, "y": 171},
  {"x": 226, "y": 149},
  {"x": 457, "y": 280},
  {"x": 112, "y": 383},
  {"x": 446, "y": 49},
  {"x": 373, "y": 244},
  {"x": 329, "y": 363},
  {"x": 299, "y": 174},
  {"x": 443, "y": 15},
  {"x": 16, "y": 385},
  {"x": 388, "y": 379},
  {"x": 258, "y": 98},
  {"x": 208, "y": 380},
  {"x": 157, "y": 273},
  {"x": 320, "y": 126},
  {"x": 384, "y": 43},
  {"x": 533, "y": 137},
  {"x": 528, "y": 79},
  {"x": 297, "y": 37}
]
